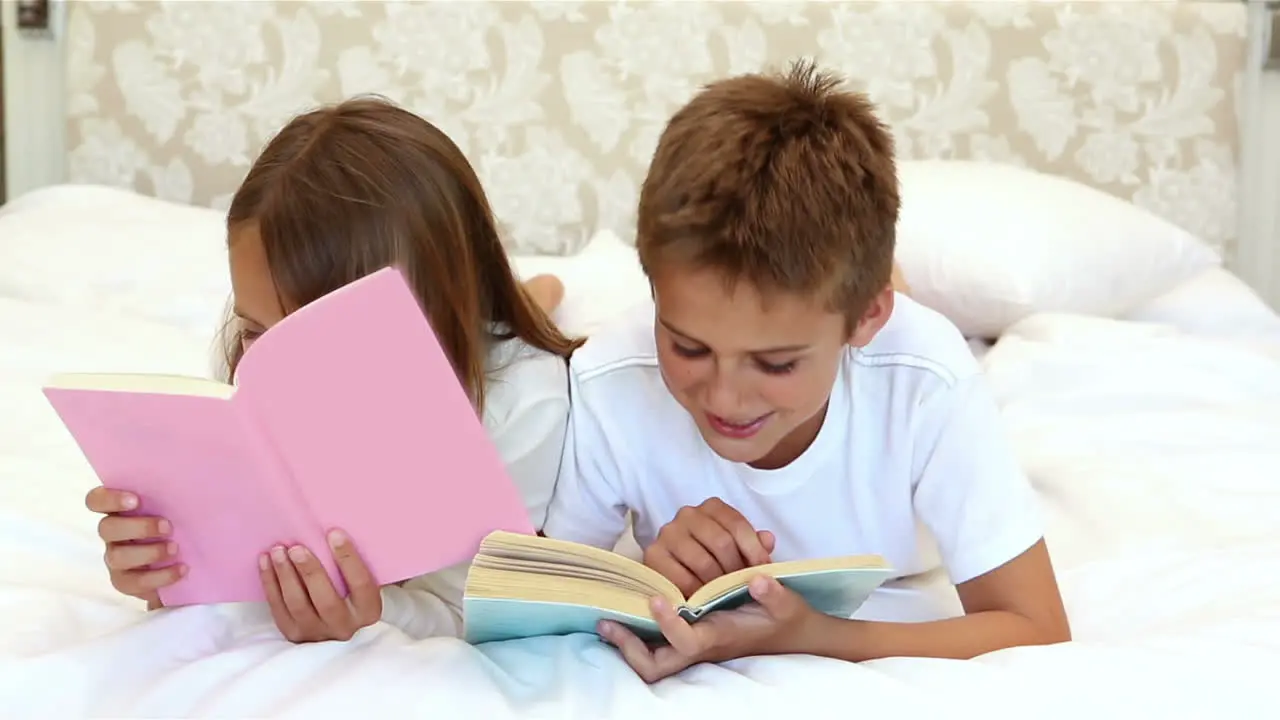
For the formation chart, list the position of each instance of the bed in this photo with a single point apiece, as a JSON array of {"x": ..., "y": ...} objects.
[{"x": 1139, "y": 377}]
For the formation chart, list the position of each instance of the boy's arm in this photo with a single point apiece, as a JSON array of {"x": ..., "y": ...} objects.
[
  {"x": 587, "y": 505},
  {"x": 973, "y": 495},
  {"x": 1014, "y": 605}
]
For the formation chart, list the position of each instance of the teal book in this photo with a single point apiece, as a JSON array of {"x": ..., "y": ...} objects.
[{"x": 522, "y": 586}]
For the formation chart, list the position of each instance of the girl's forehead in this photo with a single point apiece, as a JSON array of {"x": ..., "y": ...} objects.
[{"x": 254, "y": 289}]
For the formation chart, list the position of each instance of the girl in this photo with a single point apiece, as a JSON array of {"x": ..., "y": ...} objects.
[{"x": 339, "y": 193}]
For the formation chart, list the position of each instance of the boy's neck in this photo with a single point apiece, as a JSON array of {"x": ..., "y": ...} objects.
[{"x": 794, "y": 444}]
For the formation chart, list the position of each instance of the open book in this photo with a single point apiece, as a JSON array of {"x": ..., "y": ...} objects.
[
  {"x": 346, "y": 414},
  {"x": 525, "y": 586}
]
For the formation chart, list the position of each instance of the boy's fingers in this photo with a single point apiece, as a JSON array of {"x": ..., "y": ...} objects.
[
  {"x": 362, "y": 590},
  {"x": 104, "y": 500},
  {"x": 767, "y": 540},
  {"x": 633, "y": 650},
  {"x": 131, "y": 556},
  {"x": 118, "y": 528},
  {"x": 660, "y": 558},
  {"x": 692, "y": 553},
  {"x": 687, "y": 549},
  {"x": 744, "y": 535},
  {"x": 717, "y": 542},
  {"x": 679, "y": 633}
]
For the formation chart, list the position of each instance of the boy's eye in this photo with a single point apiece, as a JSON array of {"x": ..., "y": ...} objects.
[
  {"x": 688, "y": 352},
  {"x": 776, "y": 368}
]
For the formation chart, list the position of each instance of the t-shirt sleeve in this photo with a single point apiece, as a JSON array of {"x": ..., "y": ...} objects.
[
  {"x": 970, "y": 489},
  {"x": 531, "y": 443},
  {"x": 421, "y": 612},
  {"x": 588, "y": 506}
]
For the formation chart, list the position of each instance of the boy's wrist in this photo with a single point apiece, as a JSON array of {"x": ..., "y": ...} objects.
[{"x": 832, "y": 637}]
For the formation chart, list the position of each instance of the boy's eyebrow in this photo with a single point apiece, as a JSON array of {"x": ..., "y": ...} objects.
[{"x": 758, "y": 351}]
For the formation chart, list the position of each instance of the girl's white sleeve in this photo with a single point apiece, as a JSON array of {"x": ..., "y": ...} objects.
[
  {"x": 528, "y": 411},
  {"x": 420, "y": 613}
]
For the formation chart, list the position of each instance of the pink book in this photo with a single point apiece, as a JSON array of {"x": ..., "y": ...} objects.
[{"x": 346, "y": 414}]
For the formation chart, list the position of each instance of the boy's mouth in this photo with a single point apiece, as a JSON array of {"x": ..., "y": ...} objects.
[{"x": 735, "y": 429}]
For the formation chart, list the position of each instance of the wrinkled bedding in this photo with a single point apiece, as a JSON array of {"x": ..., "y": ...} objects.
[
  {"x": 1154, "y": 451},
  {"x": 1153, "y": 446}
]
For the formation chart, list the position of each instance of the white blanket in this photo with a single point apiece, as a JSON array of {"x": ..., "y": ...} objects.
[{"x": 1155, "y": 453}]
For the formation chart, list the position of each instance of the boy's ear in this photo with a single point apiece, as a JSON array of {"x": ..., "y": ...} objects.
[{"x": 876, "y": 315}]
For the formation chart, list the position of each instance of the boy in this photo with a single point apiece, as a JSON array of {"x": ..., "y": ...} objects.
[{"x": 778, "y": 401}]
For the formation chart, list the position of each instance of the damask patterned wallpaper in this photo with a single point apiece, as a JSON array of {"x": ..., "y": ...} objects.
[{"x": 559, "y": 104}]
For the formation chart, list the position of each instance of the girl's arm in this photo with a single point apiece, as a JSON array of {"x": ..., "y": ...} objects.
[
  {"x": 420, "y": 613},
  {"x": 899, "y": 282},
  {"x": 546, "y": 290}
]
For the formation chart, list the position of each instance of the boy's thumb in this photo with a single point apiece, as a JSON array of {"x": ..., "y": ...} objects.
[{"x": 778, "y": 601}]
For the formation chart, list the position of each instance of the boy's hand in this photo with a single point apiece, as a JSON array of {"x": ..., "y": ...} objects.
[
  {"x": 779, "y": 621},
  {"x": 134, "y": 544},
  {"x": 704, "y": 542},
  {"x": 303, "y": 601}
]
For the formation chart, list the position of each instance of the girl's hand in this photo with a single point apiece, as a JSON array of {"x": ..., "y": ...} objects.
[
  {"x": 303, "y": 601},
  {"x": 134, "y": 544}
]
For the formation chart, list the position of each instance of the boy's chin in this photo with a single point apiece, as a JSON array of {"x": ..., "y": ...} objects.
[{"x": 746, "y": 451}]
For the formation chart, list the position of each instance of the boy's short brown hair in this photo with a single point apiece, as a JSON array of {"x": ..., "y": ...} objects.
[{"x": 784, "y": 181}]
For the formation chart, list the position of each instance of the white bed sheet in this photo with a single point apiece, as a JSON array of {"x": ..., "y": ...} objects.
[
  {"x": 1153, "y": 447},
  {"x": 1154, "y": 451}
]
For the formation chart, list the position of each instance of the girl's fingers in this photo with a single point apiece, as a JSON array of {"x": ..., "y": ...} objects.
[
  {"x": 148, "y": 580},
  {"x": 294, "y": 593},
  {"x": 331, "y": 608},
  {"x": 143, "y": 583},
  {"x": 363, "y": 592},
  {"x": 104, "y": 500},
  {"x": 120, "y": 528},
  {"x": 131, "y": 556},
  {"x": 275, "y": 599}
]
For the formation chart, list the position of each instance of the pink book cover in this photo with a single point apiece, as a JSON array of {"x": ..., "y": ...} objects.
[{"x": 346, "y": 414}]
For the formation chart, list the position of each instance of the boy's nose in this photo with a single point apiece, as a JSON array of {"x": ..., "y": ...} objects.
[{"x": 723, "y": 398}]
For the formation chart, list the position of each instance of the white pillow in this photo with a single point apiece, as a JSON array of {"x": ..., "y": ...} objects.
[
  {"x": 1214, "y": 303},
  {"x": 118, "y": 251},
  {"x": 988, "y": 244},
  {"x": 115, "y": 250},
  {"x": 600, "y": 281}
]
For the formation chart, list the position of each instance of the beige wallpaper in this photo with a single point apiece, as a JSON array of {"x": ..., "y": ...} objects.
[{"x": 558, "y": 104}]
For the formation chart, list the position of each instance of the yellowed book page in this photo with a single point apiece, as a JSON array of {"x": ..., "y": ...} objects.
[
  {"x": 738, "y": 578},
  {"x": 142, "y": 383},
  {"x": 545, "y": 569},
  {"x": 573, "y": 558},
  {"x": 483, "y": 582}
]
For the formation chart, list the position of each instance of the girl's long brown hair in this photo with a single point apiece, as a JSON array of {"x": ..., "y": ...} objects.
[{"x": 348, "y": 189}]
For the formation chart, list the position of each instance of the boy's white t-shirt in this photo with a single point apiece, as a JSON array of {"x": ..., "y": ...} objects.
[
  {"x": 911, "y": 462},
  {"x": 526, "y": 413}
]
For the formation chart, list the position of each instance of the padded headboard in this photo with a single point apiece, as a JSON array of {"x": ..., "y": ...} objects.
[{"x": 559, "y": 104}]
